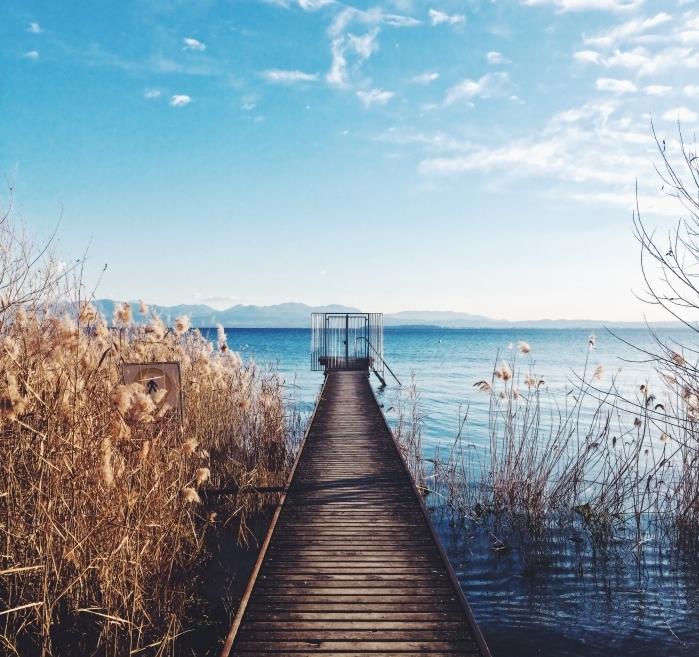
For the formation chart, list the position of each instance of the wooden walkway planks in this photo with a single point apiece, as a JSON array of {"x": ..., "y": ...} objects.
[{"x": 351, "y": 565}]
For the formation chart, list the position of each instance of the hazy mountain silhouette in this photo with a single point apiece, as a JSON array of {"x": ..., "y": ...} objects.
[{"x": 297, "y": 315}]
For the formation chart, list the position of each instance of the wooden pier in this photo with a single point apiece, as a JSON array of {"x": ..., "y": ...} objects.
[{"x": 351, "y": 565}]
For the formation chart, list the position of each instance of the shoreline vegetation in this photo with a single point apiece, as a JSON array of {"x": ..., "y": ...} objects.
[
  {"x": 617, "y": 469},
  {"x": 623, "y": 472},
  {"x": 102, "y": 525}
]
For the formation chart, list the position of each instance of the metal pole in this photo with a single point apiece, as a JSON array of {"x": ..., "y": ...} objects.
[
  {"x": 366, "y": 332},
  {"x": 346, "y": 341}
]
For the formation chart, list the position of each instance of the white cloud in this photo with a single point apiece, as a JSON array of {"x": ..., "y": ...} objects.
[
  {"x": 349, "y": 50},
  {"x": 439, "y": 17},
  {"x": 361, "y": 46},
  {"x": 31, "y": 54},
  {"x": 616, "y": 86},
  {"x": 586, "y": 5},
  {"x": 364, "y": 45},
  {"x": 337, "y": 75},
  {"x": 681, "y": 114},
  {"x": 374, "y": 97},
  {"x": 495, "y": 57},
  {"x": 152, "y": 93},
  {"x": 588, "y": 56},
  {"x": 642, "y": 61},
  {"x": 190, "y": 43},
  {"x": 435, "y": 142},
  {"x": 368, "y": 17},
  {"x": 657, "y": 89},
  {"x": 394, "y": 20},
  {"x": 629, "y": 29},
  {"x": 288, "y": 77},
  {"x": 469, "y": 89},
  {"x": 594, "y": 151},
  {"x": 34, "y": 28},
  {"x": 689, "y": 36},
  {"x": 180, "y": 100},
  {"x": 425, "y": 78},
  {"x": 691, "y": 90},
  {"x": 313, "y": 5}
]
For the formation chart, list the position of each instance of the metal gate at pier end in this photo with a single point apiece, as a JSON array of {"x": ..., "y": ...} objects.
[{"x": 347, "y": 341}]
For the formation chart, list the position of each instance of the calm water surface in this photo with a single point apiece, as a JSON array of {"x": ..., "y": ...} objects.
[{"x": 573, "y": 601}]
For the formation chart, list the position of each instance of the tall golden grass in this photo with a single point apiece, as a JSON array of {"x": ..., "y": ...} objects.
[{"x": 101, "y": 520}]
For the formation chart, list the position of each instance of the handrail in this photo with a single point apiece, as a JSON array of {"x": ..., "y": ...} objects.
[{"x": 362, "y": 337}]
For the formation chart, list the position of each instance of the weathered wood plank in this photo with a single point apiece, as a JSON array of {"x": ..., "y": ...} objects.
[{"x": 352, "y": 565}]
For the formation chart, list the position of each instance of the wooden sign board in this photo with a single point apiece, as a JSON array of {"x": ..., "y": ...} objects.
[{"x": 155, "y": 377}]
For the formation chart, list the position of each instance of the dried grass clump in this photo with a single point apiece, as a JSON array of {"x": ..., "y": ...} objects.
[
  {"x": 623, "y": 466},
  {"x": 407, "y": 428},
  {"x": 101, "y": 514}
]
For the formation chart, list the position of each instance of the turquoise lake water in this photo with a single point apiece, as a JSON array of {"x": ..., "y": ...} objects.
[{"x": 573, "y": 602}]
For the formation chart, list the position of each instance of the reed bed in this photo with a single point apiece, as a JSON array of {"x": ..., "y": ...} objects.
[
  {"x": 623, "y": 468},
  {"x": 101, "y": 509},
  {"x": 101, "y": 484}
]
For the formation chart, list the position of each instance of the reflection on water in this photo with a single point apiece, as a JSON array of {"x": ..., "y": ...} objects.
[
  {"x": 567, "y": 599},
  {"x": 563, "y": 599}
]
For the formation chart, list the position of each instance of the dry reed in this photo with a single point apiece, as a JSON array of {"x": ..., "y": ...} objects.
[
  {"x": 101, "y": 520},
  {"x": 624, "y": 468}
]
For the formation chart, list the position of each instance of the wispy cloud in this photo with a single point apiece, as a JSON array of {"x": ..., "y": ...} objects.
[
  {"x": 361, "y": 47},
  {"x": 594, "y": 151},
  {"x": 425, "y": 78},
  {"x": 495, "y": 57},
  {"x": 374, "y": 97},
  {"x": 646, "y": 45},
  {"x": 642, "y": 61},
  {"x": 681, "y": 114},
  {"x": 468, "y": 89},
  {"x": 691, "y": 90},
  {"x": 657, "y": 90},
  {"x": 313, "y": 5},
  {"x": 34, "y": 28},
  {"x": 348, "y": 49},
  {"x": 620, "y": 33},
  {"x": 587, "y": 57},
  {"x": 190, "y": 43},
  {"x": 587, "y": 5},
  {"x": 152, "y": 93},
  {"x": 441, "y": 18},
  {"x": 31, "y": 54},
  {"x": 280, "y": 76},
  {"x": 368, "y": 18},
  {"x": 365, "y": 45},
  {"x": 560, "y": 156},
  {"x": 337, "y": 75},
  {"x": 248, "y": 102},
  {"x": 180, "y": 100},
  {"x": 616, "y": 86},
  {"x": 396, "y": 20}
]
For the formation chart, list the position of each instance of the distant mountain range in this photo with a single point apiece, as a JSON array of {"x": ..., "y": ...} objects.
[{"x": 298, "y": 315}]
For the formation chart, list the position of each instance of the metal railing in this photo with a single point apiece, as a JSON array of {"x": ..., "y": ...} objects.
[
  {"x": 383, "y": 362},
  {"x": 343, "y": 341}
]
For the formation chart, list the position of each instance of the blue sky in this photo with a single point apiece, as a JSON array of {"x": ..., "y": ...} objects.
[{"x": 472, "y": 155}]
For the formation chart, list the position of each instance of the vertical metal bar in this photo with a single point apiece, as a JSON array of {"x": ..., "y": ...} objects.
[{"x": 346, "y": 341}]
